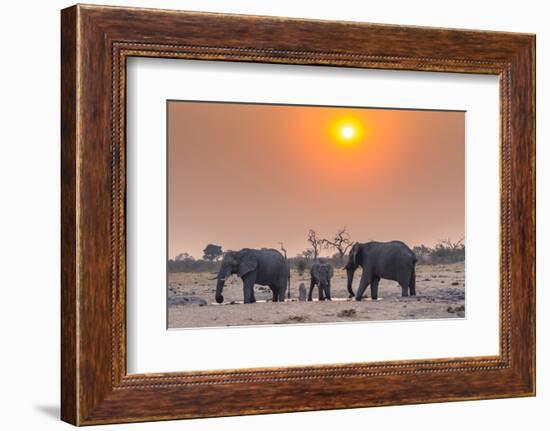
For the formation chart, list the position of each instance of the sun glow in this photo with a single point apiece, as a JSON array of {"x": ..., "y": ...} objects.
[{"x": 347, "y": 131}]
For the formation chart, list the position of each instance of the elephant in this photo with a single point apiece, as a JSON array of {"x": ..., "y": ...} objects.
[
  {"x": 392, "y": 260},
  {"x": 266, "y": 267},
  {"x": 321, "y": 273}
]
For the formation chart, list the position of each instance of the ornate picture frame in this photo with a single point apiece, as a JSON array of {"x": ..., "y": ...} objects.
[{"x": 96, "y": 41}]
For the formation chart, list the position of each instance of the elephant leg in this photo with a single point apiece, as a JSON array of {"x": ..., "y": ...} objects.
[
  {"x": 279, "y": 293},
  {"x": 412, "y": 284},
  {"x": 281, "y": 289},
  {"x": 321, "y": 292},
  {"x": 248, "y": 290},
  {"x": 349, "y": 283},
  {"x": 252, "y": 294},
  {"x": 363, "y": 284},
  {"x": 374, "y": 288},
  {"x": 311, "y": 286},
  {"x": 327, "y": 292},
  {"x": 404, "y": 283},
  {"x": 274, "y": 289}
]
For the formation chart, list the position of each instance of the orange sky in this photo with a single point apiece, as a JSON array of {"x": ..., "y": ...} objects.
[{"x": 250, "y": 175}]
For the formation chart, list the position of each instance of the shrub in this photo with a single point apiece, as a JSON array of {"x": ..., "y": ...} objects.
[
  {"x": 445, "y": 251},
  {"x": 301, "y": 266},
  {"x": 192, "y": 265}
]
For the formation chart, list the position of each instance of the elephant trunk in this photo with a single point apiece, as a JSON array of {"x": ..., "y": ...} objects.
[
  {"x": 219, "y": 290},
  {"x": 222, "y": 275},
  {"x": 323, "y": 290},
  {"x": 350, "y": 271}
]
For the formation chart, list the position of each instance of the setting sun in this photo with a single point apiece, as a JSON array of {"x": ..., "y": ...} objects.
[{"x": 347, "y": 131}]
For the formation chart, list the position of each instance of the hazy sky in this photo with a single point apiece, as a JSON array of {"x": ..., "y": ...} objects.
[{"x": 249, "y": 175}]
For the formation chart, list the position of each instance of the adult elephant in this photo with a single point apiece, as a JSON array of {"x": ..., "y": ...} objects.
[
  {"x": 266, "y": 267},
  {"x": 392, "y": 260},
  {"x": 321, "y": 273}
]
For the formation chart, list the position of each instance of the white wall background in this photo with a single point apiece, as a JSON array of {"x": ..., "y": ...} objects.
[{"x": 29, "y": 215}]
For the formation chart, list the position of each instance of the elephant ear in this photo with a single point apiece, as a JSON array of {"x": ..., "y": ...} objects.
[
  {"x": 315, "y": 270},
  {"x": 355, "y": 255},
  {"x": 248, "y": 264},
  {"x": 330, "y": 272}
]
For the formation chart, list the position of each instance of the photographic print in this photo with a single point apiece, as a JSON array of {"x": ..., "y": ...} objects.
[
  {"x": 214, "y": 245},
  {"x": 300, "y": 214}
]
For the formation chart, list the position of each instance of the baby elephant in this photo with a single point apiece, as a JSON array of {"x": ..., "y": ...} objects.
[{"x": 321, "y": 273}]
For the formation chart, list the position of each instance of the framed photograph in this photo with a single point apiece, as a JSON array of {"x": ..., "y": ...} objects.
[
  {"x": 267, "y": 215},
  {"x": 321, "y": 174}
]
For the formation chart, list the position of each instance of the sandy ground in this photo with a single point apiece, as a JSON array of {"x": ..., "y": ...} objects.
[{"x": 440, "y": 295}]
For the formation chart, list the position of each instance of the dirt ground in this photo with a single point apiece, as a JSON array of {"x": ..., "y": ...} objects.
[{"x": 440, "y": 295}]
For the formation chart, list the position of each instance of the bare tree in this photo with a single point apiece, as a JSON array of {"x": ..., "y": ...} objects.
[
  {"x": 341, "y": 242},
  {"x": 317, "y": 243},
  {"x": 447, "y": 251},
  {"x": 283, "y": 249},
  {"x": 453, "y": 245}
]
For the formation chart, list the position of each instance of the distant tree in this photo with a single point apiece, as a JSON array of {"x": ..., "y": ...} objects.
[
  {"x": 447, "y": 243},
  {"x": 301, "y": 266},
  {"x": 192, "y": 265},
  {"x": 212, "y": 252},
  {"x": 341, "y": 242},
  {"x": 307, "y": 254},
  {"x": 317, "y": 243},
  {"x": 445, "y": 251},
  {"x": 184, "y": 256},
  {"x": 423, "y": 253}
]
